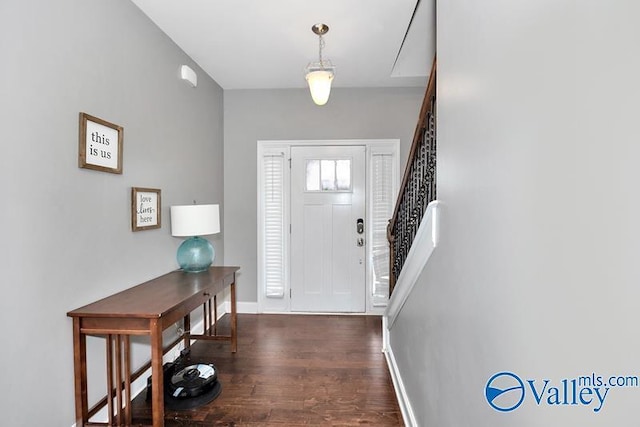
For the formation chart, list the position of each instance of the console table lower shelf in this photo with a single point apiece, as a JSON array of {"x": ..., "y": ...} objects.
[{"x": 146, "y": 309}]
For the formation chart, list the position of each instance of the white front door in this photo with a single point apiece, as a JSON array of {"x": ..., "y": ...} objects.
[{"x": 327, "y": 229}]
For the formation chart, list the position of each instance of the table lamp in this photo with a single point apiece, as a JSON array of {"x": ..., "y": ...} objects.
[{"x": 195, "y": 254}]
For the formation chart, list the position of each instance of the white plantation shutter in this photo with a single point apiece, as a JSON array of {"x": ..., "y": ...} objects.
[
  {"x": 273, "y": 168},
  {"x": 381, "y": 210}
]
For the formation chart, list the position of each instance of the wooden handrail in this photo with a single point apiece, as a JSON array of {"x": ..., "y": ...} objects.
[
  {"x": 422, "y": 118},
  {"x": 427, "y": 113}
]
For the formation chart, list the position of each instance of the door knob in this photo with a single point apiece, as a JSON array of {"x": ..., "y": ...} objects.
[{"x": 360, "y": 241}]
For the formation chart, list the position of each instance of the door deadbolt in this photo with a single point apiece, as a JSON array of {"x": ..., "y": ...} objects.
[
  {"x": 360, "y": 226},
  {"x": 360, "y": 241}
]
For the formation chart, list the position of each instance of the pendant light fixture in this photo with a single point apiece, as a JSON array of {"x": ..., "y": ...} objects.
[{"x": 320, "y": 74}]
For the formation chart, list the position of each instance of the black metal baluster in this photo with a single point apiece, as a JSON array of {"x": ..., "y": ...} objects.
[{"x": 419, "y": 185}]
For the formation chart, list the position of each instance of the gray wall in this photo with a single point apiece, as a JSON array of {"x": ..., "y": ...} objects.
[
  {"x": 252, "y": 115},
  {"x": 66, "y": 231},
  {"x": 537, "y": 272}
]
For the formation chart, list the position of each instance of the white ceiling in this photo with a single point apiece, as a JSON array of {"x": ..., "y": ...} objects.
[{"x": 260, "y": 44}]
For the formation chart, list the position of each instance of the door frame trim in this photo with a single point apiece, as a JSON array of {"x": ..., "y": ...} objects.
[{"x": 372, "y": 146}]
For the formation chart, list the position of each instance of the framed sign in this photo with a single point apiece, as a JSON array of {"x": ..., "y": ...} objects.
[
  {"x": 100, "y": 145},
  {"x": 145, "y": 208}
]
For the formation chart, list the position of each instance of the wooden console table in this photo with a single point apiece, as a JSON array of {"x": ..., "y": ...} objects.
[{"x": 146, "y": 309}]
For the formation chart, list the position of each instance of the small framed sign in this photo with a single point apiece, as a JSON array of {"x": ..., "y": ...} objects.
[
  {"x": 145, "y": 208},
  {"x": 100, "y": 145}
]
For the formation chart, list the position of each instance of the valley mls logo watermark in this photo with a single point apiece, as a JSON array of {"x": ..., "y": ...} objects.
[{"x": 506, "y": 391}]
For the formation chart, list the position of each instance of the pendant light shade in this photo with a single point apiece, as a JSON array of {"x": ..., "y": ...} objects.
[
  {"x": 320, "y": 74},
  {"x": 320, "y": 85}
]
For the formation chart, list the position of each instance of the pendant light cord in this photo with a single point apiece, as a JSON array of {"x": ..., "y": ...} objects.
[{"x": 320, "y": 46}]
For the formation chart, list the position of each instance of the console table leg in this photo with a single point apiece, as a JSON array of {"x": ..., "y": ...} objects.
[
  {"x": 119, "y": 379},
  {"x": 187, "y": 331},
  {"x": 234, "y": 319},
  {"x": 109, "y": 359},
  {"x": 206, "y": 317},
  {"x": 215, "y": 314},
  {"x": 127, "y": 379},
  {"x": 80, "y": 374},
  {"x": 157, "y": 397}
]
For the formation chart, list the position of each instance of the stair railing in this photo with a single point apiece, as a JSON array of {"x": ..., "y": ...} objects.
[{"x": 418, "y": 186}]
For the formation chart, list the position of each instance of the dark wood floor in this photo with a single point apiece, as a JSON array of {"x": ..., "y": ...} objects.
[{"x": 294, "y": 370}]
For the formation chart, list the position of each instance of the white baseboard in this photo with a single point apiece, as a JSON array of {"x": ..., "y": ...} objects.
[
  {"x": 252, "y": 308},
  {"x": 246, "y": 307},
  {"x": 401, "y": 393}
]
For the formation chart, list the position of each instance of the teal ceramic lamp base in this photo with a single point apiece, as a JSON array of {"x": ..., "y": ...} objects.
[{"x": 195, "y": 255}]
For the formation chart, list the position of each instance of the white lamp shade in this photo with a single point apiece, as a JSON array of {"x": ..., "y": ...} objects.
[
  {"x": 320, "y": 85},
  {"x": 195, "y": 220}
]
